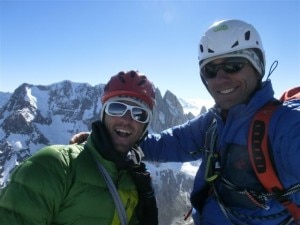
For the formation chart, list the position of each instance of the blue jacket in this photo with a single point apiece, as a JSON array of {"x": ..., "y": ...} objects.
[{"x": 185, "y": 143}]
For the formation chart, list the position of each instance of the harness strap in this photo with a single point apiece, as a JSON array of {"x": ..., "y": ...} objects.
[
  {"x": 261, "y": 159},
  {"x": 231, "y": 213},
  {"x": 257, "y": 198}
]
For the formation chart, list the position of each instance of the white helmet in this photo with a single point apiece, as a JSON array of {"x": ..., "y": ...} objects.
[{"x": 230, "y": 36}]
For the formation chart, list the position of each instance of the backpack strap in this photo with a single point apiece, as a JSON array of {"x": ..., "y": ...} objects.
[
  {"x": 293, "y": 93},
  {"x": 261, "y": 159}
]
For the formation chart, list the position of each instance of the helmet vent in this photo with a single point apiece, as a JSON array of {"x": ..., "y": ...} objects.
[
  {"x": 141, "y": 82},
  {"x": 247, "y": 35},
  {"x": 210, "y": 51},
  {"x": 201, "y": 48},
  {"x": 121, "y": 78},
  {"x": 235, "y": 44},
  {"x": 132, "y": 74}
]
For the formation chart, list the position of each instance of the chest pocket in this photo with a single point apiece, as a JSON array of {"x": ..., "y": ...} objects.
[
  {"x": 230, "y": 173},
  {"x": 238, "y": 180}
]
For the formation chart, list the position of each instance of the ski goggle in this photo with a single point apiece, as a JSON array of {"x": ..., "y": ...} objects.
[
  {"x": 230, "y": 65},
  {"x": 138, "y": 113}
]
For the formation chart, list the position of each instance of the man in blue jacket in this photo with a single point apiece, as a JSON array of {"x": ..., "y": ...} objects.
[{"x": 226, "y": 190}]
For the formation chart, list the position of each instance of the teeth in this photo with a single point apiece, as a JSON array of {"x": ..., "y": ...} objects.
[
  {"x": 123, "y": 131},
  {"x": 227, "y": 91}
]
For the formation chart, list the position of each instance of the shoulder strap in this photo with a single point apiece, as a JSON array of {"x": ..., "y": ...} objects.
[
  {"x": 111, "y": 186},
  {"x": 290, "y": 94},
  {"x": 260, "y": 157}
]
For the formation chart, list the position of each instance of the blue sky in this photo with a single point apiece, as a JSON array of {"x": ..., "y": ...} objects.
[{"x": 43, "y": 42}]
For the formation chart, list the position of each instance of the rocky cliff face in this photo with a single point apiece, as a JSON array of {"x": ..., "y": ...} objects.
[{"x": 35, "y": 116}]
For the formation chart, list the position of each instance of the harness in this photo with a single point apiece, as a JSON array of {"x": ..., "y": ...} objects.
[{"x": 262, "y": 164}]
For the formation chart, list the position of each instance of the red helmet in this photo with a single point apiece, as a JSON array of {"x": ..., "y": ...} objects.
[{"x": 130, "y": 84}]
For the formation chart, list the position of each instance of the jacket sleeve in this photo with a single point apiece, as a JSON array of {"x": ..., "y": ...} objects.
[
  {"x": 285, "y": 141},
  {"x": 35, "y": 190},
  {"x": 181, "y": 143}
]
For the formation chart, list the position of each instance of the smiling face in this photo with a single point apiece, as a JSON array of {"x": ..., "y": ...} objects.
[
  {"x": 124, "y": 131},
  {"x": 230, "y": 89}
]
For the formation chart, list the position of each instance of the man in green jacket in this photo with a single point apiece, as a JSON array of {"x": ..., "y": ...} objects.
[{"x": 99, "y": 182}]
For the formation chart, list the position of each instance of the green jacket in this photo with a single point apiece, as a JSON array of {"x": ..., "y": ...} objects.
[{"x": 61, "y": 185}]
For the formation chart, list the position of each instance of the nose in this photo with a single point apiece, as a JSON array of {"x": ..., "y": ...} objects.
[
  {"x": 222, "y": 74},
  {"x": 127, "y": 115}
]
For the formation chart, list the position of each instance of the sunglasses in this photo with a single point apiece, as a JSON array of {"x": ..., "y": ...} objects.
[
  {"x": 138, "y": 113},
  {"x": 231, "y": 65}
]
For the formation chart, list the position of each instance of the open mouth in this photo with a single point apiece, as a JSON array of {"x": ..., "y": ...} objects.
[{"x": 123, "y": 133}]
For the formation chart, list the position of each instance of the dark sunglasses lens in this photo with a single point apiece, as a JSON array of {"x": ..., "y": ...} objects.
[
  {"x": 210, "y": 71},
  {"x": 139, "y": 114},
  {"x": 233, "y": 67},
  {"x": 116, "y": 109}
]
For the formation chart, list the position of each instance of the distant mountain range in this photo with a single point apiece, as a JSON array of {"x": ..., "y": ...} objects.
[{"x": 37, "y": 115}]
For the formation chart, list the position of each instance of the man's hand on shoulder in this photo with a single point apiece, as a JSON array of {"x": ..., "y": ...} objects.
[{"x": 79, "y": 138}]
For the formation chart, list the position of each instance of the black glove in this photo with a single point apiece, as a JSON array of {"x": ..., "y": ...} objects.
[
  {"x": 142, "y": 179},
  {"x": 148, "y": 211},
  {"x": 147, "y": 206}
]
